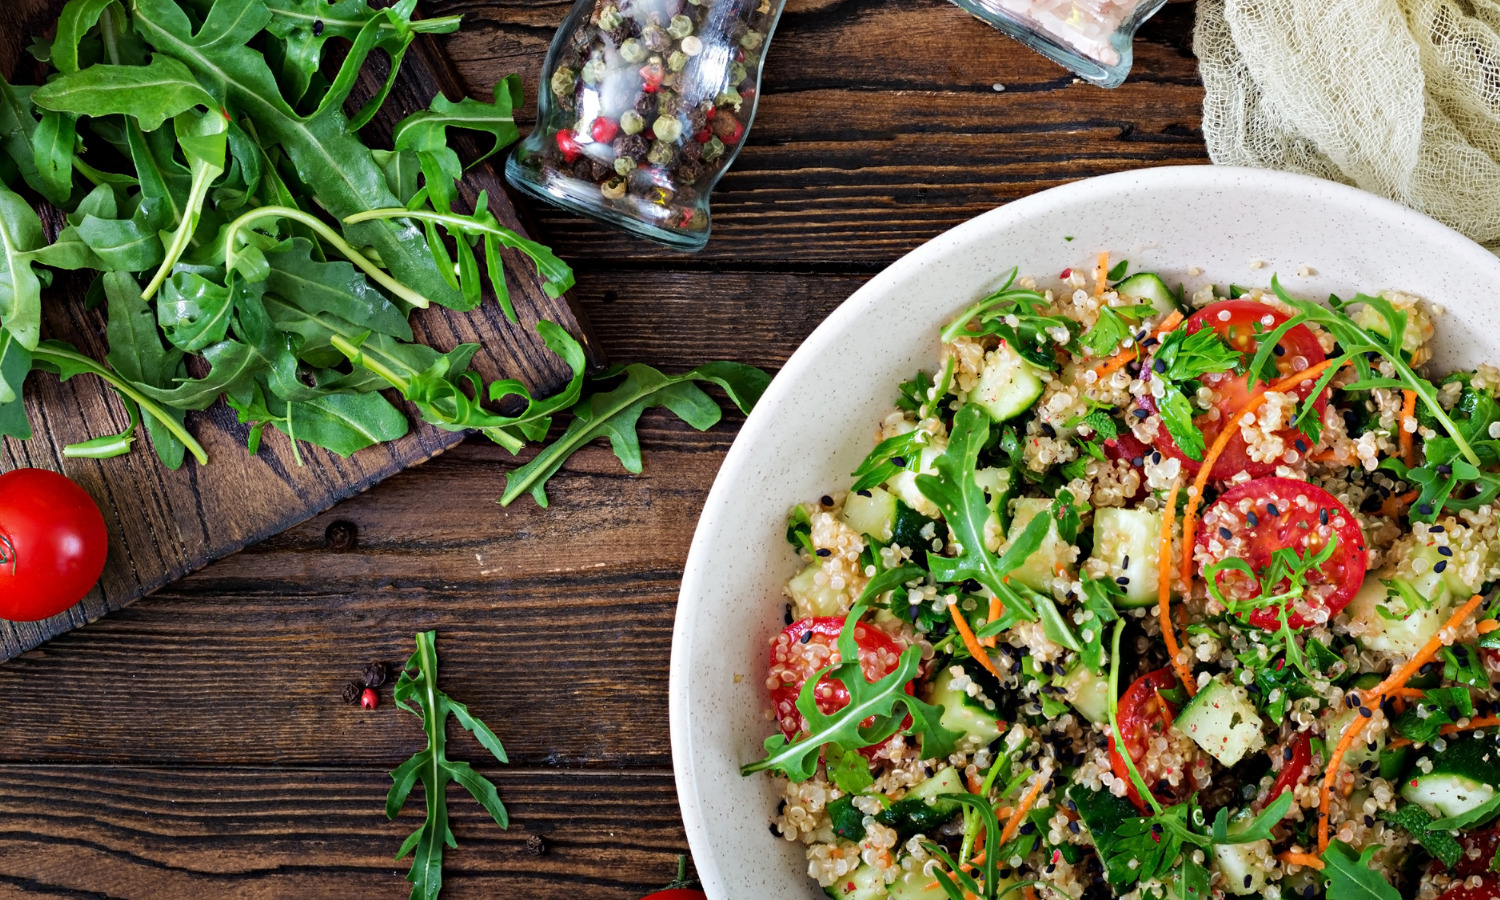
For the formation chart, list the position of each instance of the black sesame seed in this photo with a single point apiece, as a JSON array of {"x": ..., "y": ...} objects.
[
  {"x": 1279, "y": 351},
  {"x": 971, "y": 586},
  {"x": 826, "y": 500},
  {"x": 1160, "y": 366},
  {"x": 1445, "y": 469},
  {"x": 1301, "y": 445},
  {"x": 1048, "y": 430},
  {"x": 1323, "y": 516},
  {"x": 1445, "y": 551},
  {"x": 317, "y": 28},
  {"x": 1073, "y": 827},
  {"x": 1140, "y": 413},
  {"x": 1248, "y": 879},
  {"x": 1156, "y": 457},
  {"x": 898, "y": 461},
  {"x": 863, "y": 493},
  {"x": 1453, "y": 713},
  {"x": 1425, "y": 509},
  {"x": 1125, "y": 563},
  {"x": 1309, "y": 891},
  {"x": 1027, "y": 828},
  {"x": 1252, "y": 519},
  {"x": 1138, "y": 461},
  {"x": 1156, "y": 829},
  {"x": 1272, "y": 511},
  {"x": 1286, "y": 753},
  {"x": 824, "y": 551},
  {"x": 1366, "y": 711},
  {"x": 1351, "y": 701},
  {"x": 1225, "y": 533},
  {"x": 788, "y": 615},
  {"x": 806, "y": 636},
  {"x": 1436, "y": 528},
  {"x": 1369, "y": 821},
  {"x": 1123, "y": 580},
  {"x": 1441, "y": 565}
]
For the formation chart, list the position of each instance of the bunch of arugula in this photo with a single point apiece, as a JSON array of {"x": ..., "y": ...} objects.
[{"x": 240, "y": 229}]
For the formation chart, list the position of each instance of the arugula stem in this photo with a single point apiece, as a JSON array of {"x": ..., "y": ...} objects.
[
  {"x": 203, "y": 177},
  {"x": 440, "y": 25},
  {"x": 107, "y": 33},
  {"x": 55, "y": 356},
  {"x": 334, "y": 239},
  {"x": 1114, "y": 720}
]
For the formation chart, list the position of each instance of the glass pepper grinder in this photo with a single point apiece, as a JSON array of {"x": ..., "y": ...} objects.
[{"x": 643, "y": 106}]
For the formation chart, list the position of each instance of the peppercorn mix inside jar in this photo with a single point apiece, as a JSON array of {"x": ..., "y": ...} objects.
[{"x": 643, "y": 106}]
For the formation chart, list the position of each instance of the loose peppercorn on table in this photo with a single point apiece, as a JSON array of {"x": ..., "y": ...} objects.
[{"x": 196, "y": 744}]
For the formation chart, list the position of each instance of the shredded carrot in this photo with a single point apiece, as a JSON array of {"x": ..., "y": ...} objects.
[
  {"x": 1101, "y": 273},
  {"x": 972, "y": 642},
  {"x": 1165, "y": 709},
  {"x": 995, "y": 610},
  {"x": 1392, "y": 506},
  {"x": 1481, "y": 722},
  {"x": 1371, "y": 700},
  {"x": 1164, "y": 591},
  {"x": 1231, "y": 428},
  {"x": 1014, "y": 822},
  {"x": 1408, "y": 442},
  {"x": 1300, "y": 859},
  {"x": 1130, "y": 354},
  {"x": 1411, "y": 692},
  {"x": 1487, "y": 626},
  {"x": 1323, "y": 455},
  {"x": 1030, "y": 892}
]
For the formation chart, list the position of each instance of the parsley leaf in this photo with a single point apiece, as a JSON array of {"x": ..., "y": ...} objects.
[
  {"x": 1118, "y": 270},
  {"x": 850, "y": 771},
  {"x": 1115, "y": 324},
  {"x": 1351, "y": 877},
  {"x": 1178, "y": 362},
  {"x": 1098, "y": 598}
]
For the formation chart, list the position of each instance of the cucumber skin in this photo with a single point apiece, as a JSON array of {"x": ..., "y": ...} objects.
[{"x": 1208, "y": 720}]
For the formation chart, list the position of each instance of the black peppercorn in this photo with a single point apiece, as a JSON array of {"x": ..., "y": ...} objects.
[
  {"x": 375, "y": 674},
  {"x": 535, "y": 845},
  {"x": 352, "y": 692}
]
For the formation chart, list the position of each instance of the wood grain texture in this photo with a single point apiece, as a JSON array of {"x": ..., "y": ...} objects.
[
  {"x": 194, "y": 745},
  {"x": 165, "y": 524}
]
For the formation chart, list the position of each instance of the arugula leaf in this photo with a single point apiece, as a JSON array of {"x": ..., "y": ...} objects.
[
  {"x": 889, "y": 457},
  {"x": 1118, "y": 270},
  {"x": 1351, "y": 877},
  {"x": 850, "y": 772},
  {"x": 52, "y": 147},
  {"x": 1098, "y": 598},
  {"x": 1115, "y": 324},
  {"x": 20, "y": 288},
  {"x": 1418, "y": 823},
  {"x": 426, "y": 134},
  {"x": 614, "y": 415},
  {"x": 418, "y": 685},
  {"x": 15, "y": 364},
  {"x": 1178, "y": 361},
  {"x": 798, "y": 759},
  {"x": 1019, "y": 317},
  {"x": 1258, "y": 829},
  {"x": 1476, "y": 816},
  {"x": 962, "y": 501},
  {"x": 151, "y": 94},
  {"x": 1423, "y": 720},
  {"x": 136, "y": 355}
]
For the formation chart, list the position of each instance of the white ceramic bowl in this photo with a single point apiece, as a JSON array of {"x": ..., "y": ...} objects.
[{"x": 818, "y": 419}]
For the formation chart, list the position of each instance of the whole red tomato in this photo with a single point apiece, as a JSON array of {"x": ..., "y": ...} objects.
[{"x": 52, "y": 544}]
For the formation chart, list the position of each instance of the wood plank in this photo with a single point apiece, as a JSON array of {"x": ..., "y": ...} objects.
[
  {"x": 880, "y": 127},
  {"x": 258, "y": 834},
  {"x": 164, "y": 524}
]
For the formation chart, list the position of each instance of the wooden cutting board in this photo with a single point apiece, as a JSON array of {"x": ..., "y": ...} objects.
[{"x": 164, "y": 524}]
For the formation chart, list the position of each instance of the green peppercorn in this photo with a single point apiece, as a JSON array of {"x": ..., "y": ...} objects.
[
  {"x": 564, "y": 80},
  {"x": 729, "y": 97},
  {"x": 656, "y": 38},
  {"x": 677, "y": 60},
  {"x": 713, "y": 150},
  {"x": 632, "y": 122},
  {"x": 737, "y": 73},
  {"x": 610, "y": 18},
  {"x": 613, "y": 189},
  {"x": 633, "y": 51},
  {"x": 680, "y": 26},
  {"x": 593, "y": 71},
  {"x": 624, "y": 165},
  {"x": 752, "y": 40},
  {"x": 661, "y": 154},
  {"x": 667, "y": 128}
]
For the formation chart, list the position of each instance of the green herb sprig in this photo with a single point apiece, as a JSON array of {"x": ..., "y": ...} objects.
[
  {"x": 1019, "y": 317},
  {"x": 1179, "y": 361}
]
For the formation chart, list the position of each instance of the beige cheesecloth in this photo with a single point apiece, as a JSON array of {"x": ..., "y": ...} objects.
[{"x": 1399, "y": 97}]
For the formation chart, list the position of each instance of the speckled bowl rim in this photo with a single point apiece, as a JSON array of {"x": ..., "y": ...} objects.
[{"x": 704, "y": 799}]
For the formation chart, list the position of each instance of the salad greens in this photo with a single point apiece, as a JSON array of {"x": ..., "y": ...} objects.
[{"x": 431, "y": 766}]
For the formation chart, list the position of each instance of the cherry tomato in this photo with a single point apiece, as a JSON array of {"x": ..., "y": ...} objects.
[
  {"x": 52, "y": 544},
  {"x": 1487, "y": 889},
  {"x": 1479, "y": 850},
  {"x": 677, "y": 894},
  {"x": 1236, "y": 322},
  {"x": 1255, "y": 519},
  {"x": 1293, "y": 767},
  {"x": 808, "y": 645},
  {"x": 1145, "y": 715}
]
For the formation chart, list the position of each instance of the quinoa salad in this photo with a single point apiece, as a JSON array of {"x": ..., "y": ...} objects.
[{"x": 1144, "y": 593}]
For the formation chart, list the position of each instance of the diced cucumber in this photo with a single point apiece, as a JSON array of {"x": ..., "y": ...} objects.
[
  {"x": 1446, "y": 795},
  {"x": 871, "y": 512},
  {"x": 1243, "y": 865},
  {"x": 1089, "y": 693},
  {"x": 947, "y": 781},
  {"x": 962, "y": 712},
  {"x": 1007, "y": 385},
  {"x": 1463, "y": 776},
  {"x": 1223, "y": 721},
  {"x": 922, "y": 810},
  {"x": 864, "y": 883},
  {"x": 1365, "y": 747},
  {"x": 815, "y": 599},
  {"x": 1145, "y": 287},
  {"x": 904, "y": 483},
  {"x": 1052, "y": 558},
  {"x": 1403, "y": 635},
  {"x": 1129, "y": 541},
  {"x": 914, "y": 884}
]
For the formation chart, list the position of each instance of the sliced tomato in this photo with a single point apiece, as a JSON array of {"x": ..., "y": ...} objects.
[
  {"x": 811, "y": 644},
  {"x": 1253, "y": 520},
  {"x": 1487, "y": 889},
  {"x": 1144, "y": 716},
  {"x": 1479, "y": 851},
  {"x": 1294, "y": 766},
  {"x": 1239, "y": 323}
]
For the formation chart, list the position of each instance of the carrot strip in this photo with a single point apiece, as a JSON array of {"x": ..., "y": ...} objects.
[
  {"x": 1164, "y": 591},
  {"x": 1130, "y": 354},
  {"x": 1408, "y": 438},
  {"x": 1300, "y": 859},
  {"x": 1323, "y": 455},
  {"x": 1030, "y": 892},
  {"x": 1487, "y": 626},
  {"x": 1371, "y": 700},
  {"x": 1391, "y": 506},
  {"x": 1482, "y": 722},
  {"x": 1411, "y": 692},
  {"x": 1101, "y": 273},
  {"x": 971, "y": 642},
  {"x": 1231, "y": 428},
  {"x": 1014, "y": 822},
  {"x": 995, "y": 610}
]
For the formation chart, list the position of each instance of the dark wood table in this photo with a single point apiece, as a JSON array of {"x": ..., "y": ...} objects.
[{"x": 195, "y": 745}]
